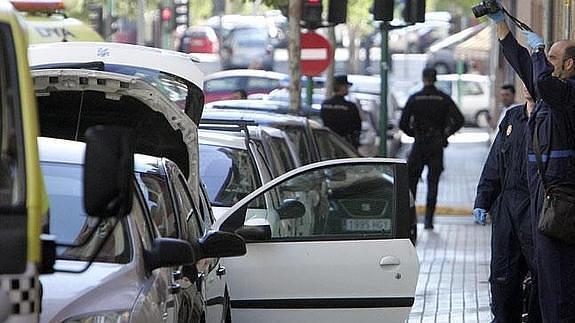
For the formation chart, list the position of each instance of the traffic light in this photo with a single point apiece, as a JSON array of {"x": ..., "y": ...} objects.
[
  {"x": 167, "y": 15},
  {"x": 383, "y": 10},
  {"x": 414, "y": 11},
  {"x": 181, "y": 13},
  {"x": 337, "y": 11},
  {"x": 311, "y": 13}
]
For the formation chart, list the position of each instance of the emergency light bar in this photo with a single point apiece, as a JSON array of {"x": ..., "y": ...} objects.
[{"x": 38, "y": 5}]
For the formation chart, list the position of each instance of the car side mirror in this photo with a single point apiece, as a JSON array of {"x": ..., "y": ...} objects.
[
  {"x": 291, "y": 209},
  {"x": 220, "y": 244},
  {"x": 169, "y": 252},
  {"x": 108, "y": 169},
  {"x": 255, "y": 230}
]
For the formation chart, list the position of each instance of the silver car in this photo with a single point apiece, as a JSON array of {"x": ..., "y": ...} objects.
[{"x": 248, "y": 47}]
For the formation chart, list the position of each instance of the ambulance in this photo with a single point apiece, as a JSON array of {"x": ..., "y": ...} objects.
[
  {"x": 47, "y": 22},
  {"x": 23, "y": 201}
]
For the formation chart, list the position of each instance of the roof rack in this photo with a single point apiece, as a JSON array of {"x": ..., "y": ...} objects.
[{"x": 238, "y": 125}]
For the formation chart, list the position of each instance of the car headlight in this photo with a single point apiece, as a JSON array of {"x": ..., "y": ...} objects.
[{"x": 101, "y": 317}]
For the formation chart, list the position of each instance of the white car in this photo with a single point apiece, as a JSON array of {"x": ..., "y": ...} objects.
[
  {"x": 361, "y": 267},
  {"x": 471, "y": 93}
]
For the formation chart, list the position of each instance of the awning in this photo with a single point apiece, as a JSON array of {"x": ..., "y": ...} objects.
[{"x": 476, "y": 47}]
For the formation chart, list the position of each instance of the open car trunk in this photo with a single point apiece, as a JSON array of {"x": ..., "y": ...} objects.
[{"x": 70, "y": 101}]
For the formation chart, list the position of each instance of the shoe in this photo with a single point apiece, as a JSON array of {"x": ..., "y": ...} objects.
[{"x": 428, "y": 227}]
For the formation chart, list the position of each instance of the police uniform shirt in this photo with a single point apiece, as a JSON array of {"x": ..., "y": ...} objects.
[
  {"x": 340, "y": 115},
  {"x": 430, "y": 113}
]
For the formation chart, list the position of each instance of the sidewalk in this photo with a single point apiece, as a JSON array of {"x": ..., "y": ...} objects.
[
  {"x": 454, "y": 270},
  {"x": 463, "y": 163}
]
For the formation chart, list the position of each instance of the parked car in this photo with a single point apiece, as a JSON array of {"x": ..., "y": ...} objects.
[
  {"x": 156, "y": 93},
  {"x": 248, "y": 47},
  {"x": 199, "y": 39},
  {"x": 471, "y": 93},
  {"x": 221, "y": 85},
  {"x": 375, "y": 193},
  {"x": 139, "y": 283}
]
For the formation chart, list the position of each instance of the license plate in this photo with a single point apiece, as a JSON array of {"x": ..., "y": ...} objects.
[{"x": 368, "y": 225}]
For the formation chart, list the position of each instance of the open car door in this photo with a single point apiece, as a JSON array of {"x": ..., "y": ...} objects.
[{"x": 355, "y": 262}]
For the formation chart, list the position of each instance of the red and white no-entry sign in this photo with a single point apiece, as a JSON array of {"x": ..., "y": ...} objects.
[{"x": 316, "y": 54}]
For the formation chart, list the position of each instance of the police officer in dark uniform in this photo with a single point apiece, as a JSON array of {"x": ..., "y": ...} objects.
[
  {"x": 552, "y": 80},
  {"x": 341, "y": 115},
  {"x": 503, "y": 192},
  {"x": 430, "y": 116}
]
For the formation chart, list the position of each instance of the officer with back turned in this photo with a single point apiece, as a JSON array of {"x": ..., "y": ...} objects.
[
  {"x": 430, "y": 116},
  {"x": 340, "y": 115}
]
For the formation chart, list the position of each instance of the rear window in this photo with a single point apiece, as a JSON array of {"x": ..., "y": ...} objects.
[{"x": 229, "y": 174}]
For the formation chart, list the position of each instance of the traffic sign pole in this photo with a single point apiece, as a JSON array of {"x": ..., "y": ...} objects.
[
  {"x": 309, "y": 92},
  {"x": 384, "y": 68}
]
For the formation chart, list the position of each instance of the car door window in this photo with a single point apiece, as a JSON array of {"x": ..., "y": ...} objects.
[
  {"x": 157, "y": 195},
  {"x": 280, "y": 155},
  {"x": 261, "y": 84},
  {"x": 298, "y": 137},
  {"x": 12, "y": 169},
  {"x": 331, "y": 146},
  {"x": 470, "y": 88},
  {"x": 186, "y": 206},
  {"x": 361, "y": 201},
  {"x": 226, "y": 84}
]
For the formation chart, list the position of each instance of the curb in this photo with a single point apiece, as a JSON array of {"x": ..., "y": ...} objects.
[{"x": 447, "y": 210}]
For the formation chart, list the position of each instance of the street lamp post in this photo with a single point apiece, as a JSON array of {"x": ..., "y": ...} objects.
[{"x": 384, "y": 69}]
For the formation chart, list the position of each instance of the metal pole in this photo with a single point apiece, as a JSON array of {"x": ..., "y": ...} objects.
[
  {"x": 166, "y": 28},
  {"x": 384, "y": 68},
  {"x": 141, "y": 35},
  {"x": 294, "y": 54},
  {"x": 309, "y": 92}
]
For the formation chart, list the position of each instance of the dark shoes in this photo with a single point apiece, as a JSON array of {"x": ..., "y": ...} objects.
[{"x": 429, "y": 218}]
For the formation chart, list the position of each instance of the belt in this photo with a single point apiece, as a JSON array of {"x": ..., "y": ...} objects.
[{"x": 554, "y": 154}]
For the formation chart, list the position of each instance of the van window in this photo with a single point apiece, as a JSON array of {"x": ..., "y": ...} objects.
[
  {"x": 471, "y": 88},
  {"x": 12, "y": 172}
]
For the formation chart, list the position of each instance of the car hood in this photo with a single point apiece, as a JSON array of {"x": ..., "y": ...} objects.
[
  {"x": 103, "y": 287},
  {"x": 160, "y": 127}
]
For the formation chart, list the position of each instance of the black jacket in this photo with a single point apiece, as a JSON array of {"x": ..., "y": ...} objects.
[
  {"x": 430, "y": 115},
  {"x": 342, "y": 117}
]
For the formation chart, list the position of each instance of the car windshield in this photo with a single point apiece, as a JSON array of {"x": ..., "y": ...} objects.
[
  {"x": 70, "y": 224},
  {"x": 229, "y": 174}
]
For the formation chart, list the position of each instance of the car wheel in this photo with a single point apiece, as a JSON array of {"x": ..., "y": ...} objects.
[{"x": 482, "y": 119}]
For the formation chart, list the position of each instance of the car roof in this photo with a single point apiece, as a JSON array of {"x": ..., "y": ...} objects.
[
  {"x": 260, "y": 117},
  {"x": 72, "y": 152},
  {"x": 246, "y": 73},
  {"x": 167, "y": 61},
  {"x": 232, "y": 139},
  {"x": 465, "y": 77}
]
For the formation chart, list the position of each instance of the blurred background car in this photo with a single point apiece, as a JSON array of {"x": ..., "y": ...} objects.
[
  {"x": 199, "y": 39},
  {"x": 471, "y": 93},
  {"x": 221, "y": 85},
  {"x": 248, "y": 46}
]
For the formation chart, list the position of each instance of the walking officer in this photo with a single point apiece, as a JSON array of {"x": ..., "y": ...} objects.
[
  {"x": 503, "y": 192},
  {"x": 341, "y": 115},
  {"x": 430, "y": 116},
  {"x": 552, "y": 124}
]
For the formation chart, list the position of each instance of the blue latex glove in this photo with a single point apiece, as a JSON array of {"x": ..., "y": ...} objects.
[
  {"x": 499, "y": 16},
  {"x": 533, "y": 39},
  {"x": 480, "y": 216}
]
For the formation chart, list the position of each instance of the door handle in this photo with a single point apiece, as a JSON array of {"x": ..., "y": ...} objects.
[
  {"x": 389, "y": 261},
  {"x": 221, "y": 271}
]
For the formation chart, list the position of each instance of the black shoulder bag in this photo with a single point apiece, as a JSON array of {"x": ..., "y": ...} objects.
[{"x": 557, "y": 218}]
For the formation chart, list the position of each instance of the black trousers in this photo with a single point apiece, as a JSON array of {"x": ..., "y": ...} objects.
[
  {"x": 512, "y": 258},
  {"x": 431, "y": 156}
]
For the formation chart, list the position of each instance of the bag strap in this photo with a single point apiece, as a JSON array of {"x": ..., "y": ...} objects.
[{"x": 538, "y": 158}]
